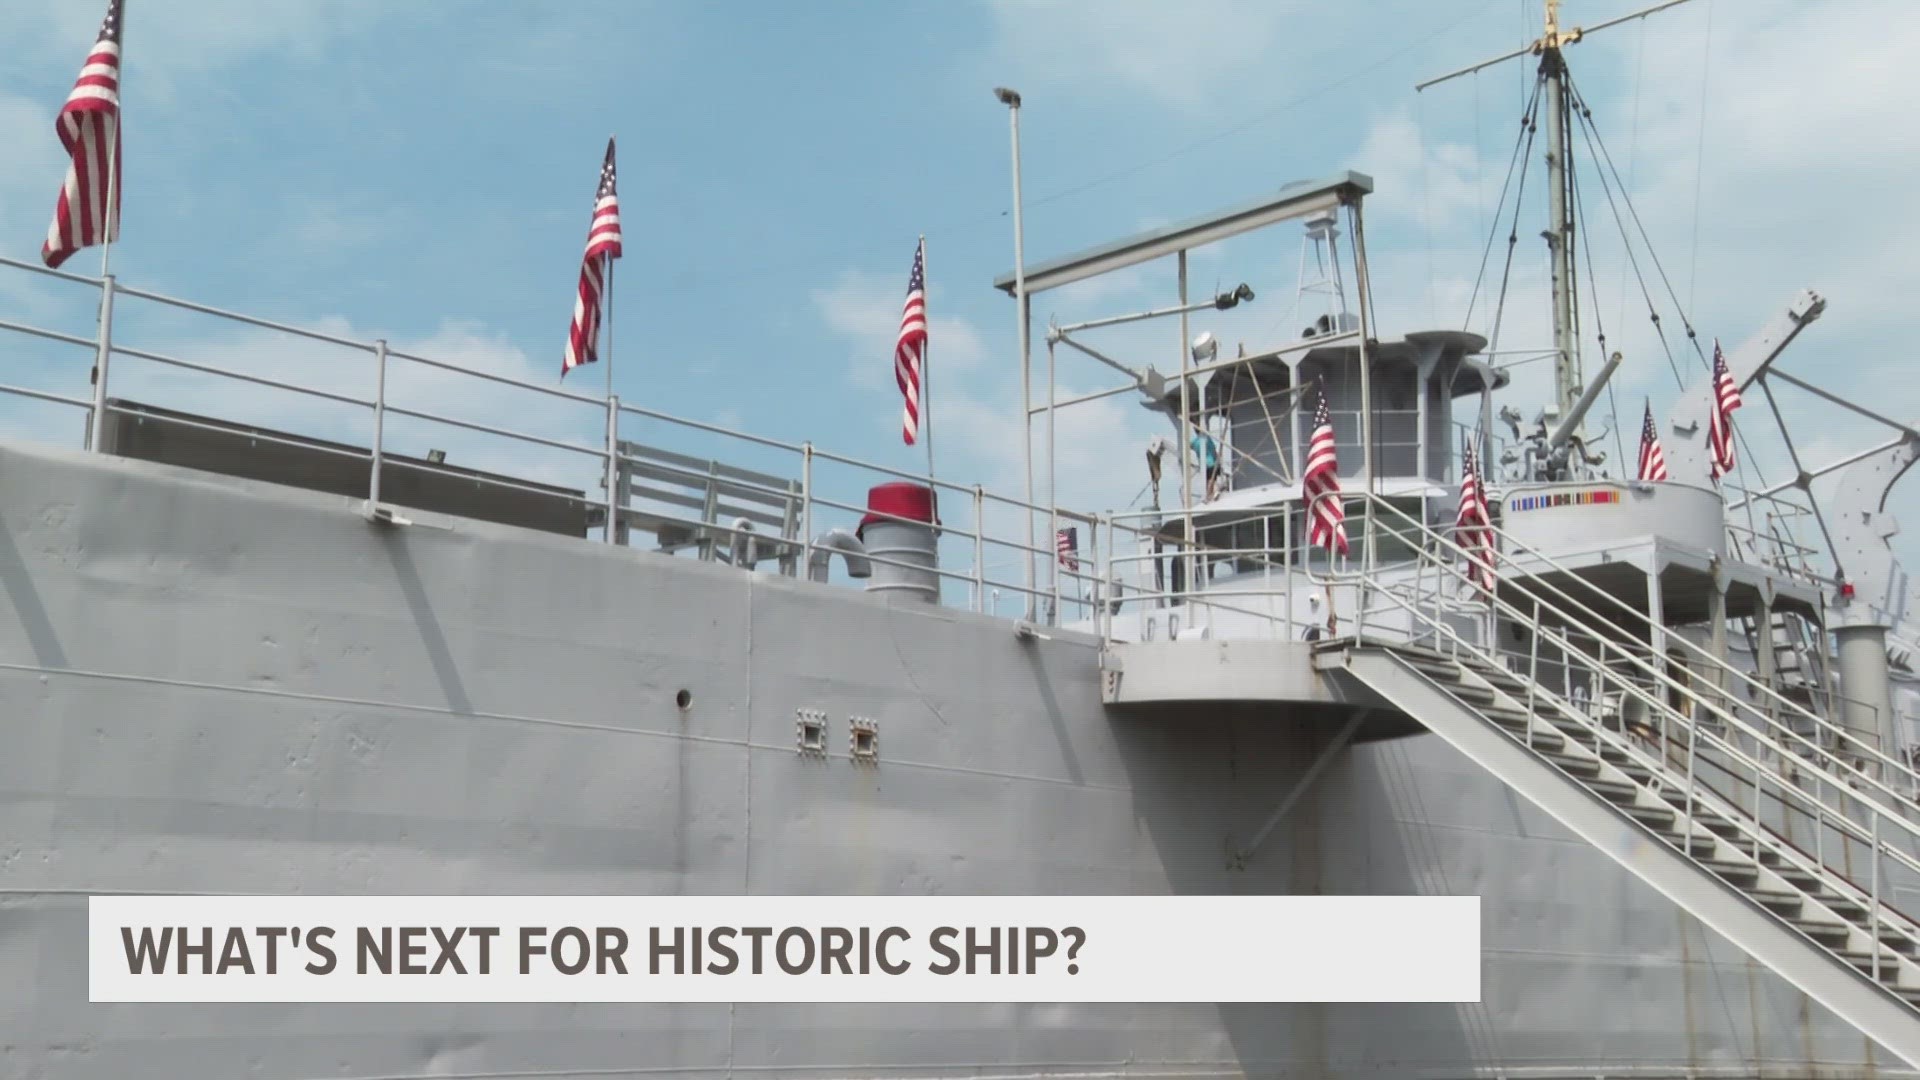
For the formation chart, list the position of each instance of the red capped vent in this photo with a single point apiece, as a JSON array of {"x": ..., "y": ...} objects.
[{"x": 900, "y": 499}]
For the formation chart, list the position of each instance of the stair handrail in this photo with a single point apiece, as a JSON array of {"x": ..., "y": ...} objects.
[
  {"x": 1531, "y": 582},
  {"x": 1757, "y": 832},
  {"x": 1748, "y": 824},
  {"x": 1511, "y": 543},
  {"x": 1658, "y": 676}
]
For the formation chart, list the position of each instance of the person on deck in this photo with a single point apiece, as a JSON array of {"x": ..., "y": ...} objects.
[{"x": 1207, "y": 451}]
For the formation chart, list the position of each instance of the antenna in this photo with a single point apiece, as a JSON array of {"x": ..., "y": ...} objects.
[
  {"x": 1567, "y": 382},
  {"x": 1320, "y": 275}
]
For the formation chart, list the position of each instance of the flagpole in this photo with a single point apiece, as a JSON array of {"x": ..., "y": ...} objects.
[
  {"x": 112, "y": 229},
  {"x": 606, "y": 307},
  {"x": 104, "y": 349},
  {"x": 926, "y": 370}
]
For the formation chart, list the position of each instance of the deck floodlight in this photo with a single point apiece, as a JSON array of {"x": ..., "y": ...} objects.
[
  {"x": 1009, "y": 98},
  {"x": 1205, "y": 347},
  {"x": 1233, "y": 297},
  {"x": 438, "y": 457}
]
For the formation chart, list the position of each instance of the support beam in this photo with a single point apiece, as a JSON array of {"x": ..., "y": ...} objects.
[{"x": 1240, "y": 858}]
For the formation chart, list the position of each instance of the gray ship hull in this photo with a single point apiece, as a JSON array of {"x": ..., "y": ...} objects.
[{"x": 219, "y": 685}]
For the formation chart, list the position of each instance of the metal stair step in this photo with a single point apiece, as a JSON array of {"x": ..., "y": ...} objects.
[
  {"x": 1889, "y": 967},
  {"x": 1578, "y": 766},
  {"x": 1478, "y": 695},
  {"x": 1618, "y": 791},
  {"x": 1518, "y": 723},
  {"x": 1779, "y": 901},
  {"x": 1828, "y": 934},
  {"x": 1658, "y": 816},
  {"x": 1742, "y": 875},
  {"x": 1444, "y": 670}
]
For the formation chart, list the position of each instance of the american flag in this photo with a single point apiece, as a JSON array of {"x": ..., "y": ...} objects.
[
  {"x": 1726, "y": 398},
  {"x": 911, "y": 346},
  {"x": 603, "y": 246},
  {"x": 89, "y": 128},
  {"x": 1322, "y": 477},
  {"x": 1653, "y": 463},
  {"x": 1066, "y": 543},
  {"x": 1472, "y": 528}
]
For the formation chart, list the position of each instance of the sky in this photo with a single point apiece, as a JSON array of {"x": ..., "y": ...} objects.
[{"x": 424, "y": 173}]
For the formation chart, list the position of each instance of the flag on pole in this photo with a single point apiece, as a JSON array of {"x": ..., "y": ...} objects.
[
  {"x": 1066, "y": 543},
  {"x": 911, "y": 346},
  {"x": 1653, "y": 463},
  {"x": 1726, "y": 398},
  {"x": 1472, "y": 527},
  {"x": 1322, "y": 477},
  {"x": 89, "y": 128},
  {"x": 603, "y": 246}
]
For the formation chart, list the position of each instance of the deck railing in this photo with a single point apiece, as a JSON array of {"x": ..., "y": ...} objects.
[{"x": 324, "y": 383}]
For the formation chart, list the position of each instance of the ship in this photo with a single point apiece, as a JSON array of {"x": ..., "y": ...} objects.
[{"x": 1659, "y": 732}]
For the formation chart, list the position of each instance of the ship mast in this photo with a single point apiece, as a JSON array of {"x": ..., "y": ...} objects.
[
  {"x": 1550, "y": 48},
  {"x": 1559, "y": 234}
]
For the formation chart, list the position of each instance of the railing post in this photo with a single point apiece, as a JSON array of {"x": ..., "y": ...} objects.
[
  {"x": 806, "y": 511},
  {"x": 979, "y": 547},
  {"x": 379, "y": 422},
  {"x": 1873, "y": 923},
  {"x": 613, "y": 468},
  {"x": 1693, "y": 744},
  {"x": 1533, "y": 667},
  {"x": 1819, "y": 826},
  {"x": 97, "y": 434}
]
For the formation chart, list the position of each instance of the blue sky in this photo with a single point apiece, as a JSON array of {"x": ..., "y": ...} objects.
[{"x": 424, "y": 172}]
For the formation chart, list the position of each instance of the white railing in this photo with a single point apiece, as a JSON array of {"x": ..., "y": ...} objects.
[
  {"x": 373, "y": 388},
  {"x": 1887, "y": 833}
]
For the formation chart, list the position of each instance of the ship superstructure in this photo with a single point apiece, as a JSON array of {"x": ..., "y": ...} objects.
[{"x": 281, "y": 653}]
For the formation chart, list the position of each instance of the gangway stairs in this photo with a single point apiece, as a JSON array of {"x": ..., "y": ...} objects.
[
  {"x": 1649, "y": 803},
  {"x": 1823, "y": 933}
]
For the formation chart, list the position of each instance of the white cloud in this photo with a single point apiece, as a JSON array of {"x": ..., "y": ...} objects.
[
  {"x": 864, "y": 308},
  {"x": 186, "y": 39},
  {"x": 1185, "y": 56}
]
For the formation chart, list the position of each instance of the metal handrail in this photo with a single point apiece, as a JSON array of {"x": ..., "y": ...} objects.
[
  {"x": 1023, "y": 545},
  {"x": 1739, "y": 819},
  {"x": 1510, "y": 543},
  {"x": 1848, "y": 770},
  {"x": 1842, "y": 817}
]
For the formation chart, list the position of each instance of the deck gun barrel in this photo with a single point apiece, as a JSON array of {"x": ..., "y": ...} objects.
[{"x": 1567, "y": 426}]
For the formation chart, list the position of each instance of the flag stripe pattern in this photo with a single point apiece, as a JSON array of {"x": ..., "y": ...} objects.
[
  {"x": 603, "y": 246},
  {"x": 910, "y": 347},
  {"x": 1726, "y": 398},
  {"x": 1066, "y": 543},
  {"x": 1322, "y": 477},
  {"x": 1653, "y": 463},
  {"x": 1472, "y": 528},
  {"x": 89, "y": 129}
]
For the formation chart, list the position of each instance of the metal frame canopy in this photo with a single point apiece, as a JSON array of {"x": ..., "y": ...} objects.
[{"x": 1295, "y": 200}]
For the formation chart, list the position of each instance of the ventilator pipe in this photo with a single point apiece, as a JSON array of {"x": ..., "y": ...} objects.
[
  {"x": 849, "y": 547},
  {"x": 741, "y": 549}
]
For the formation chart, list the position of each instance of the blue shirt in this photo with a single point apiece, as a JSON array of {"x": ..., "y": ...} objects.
[{"x": 1204, "y": 449}]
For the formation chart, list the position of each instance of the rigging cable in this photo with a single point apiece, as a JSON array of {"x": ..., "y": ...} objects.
[
  {"x": 1693, "y": 336},
  {"x": 1513, "y": 230},
  {"x": 1592, "y": 133},
  {"x": 1700, "y": 157},
  {"x": 1633, "y": 146},
  {"x": 1522, "y": 143},
  {"x": 1653, "y": 312},
  {"x": 1599, "y": 325}
]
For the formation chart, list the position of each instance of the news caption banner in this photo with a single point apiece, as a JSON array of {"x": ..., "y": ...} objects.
[{"x": 784, "y": 948}]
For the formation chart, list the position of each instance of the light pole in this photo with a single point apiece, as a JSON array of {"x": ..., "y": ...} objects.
[{"x": 1011, "y": 99}]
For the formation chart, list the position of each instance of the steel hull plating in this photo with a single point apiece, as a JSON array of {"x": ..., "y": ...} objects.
[{"x": 217, "y": 685}]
